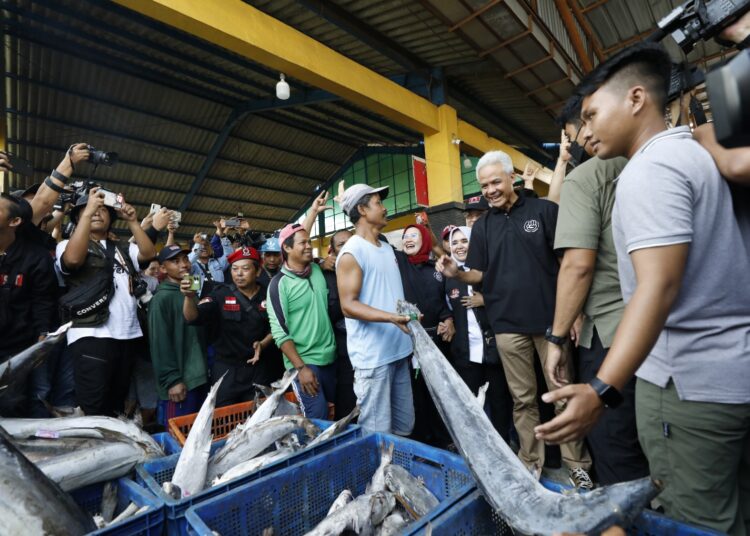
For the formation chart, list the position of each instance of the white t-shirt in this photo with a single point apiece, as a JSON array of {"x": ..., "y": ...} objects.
[
  {"x": 122, "y": 323},
  {"x": 476, "y": 338}
]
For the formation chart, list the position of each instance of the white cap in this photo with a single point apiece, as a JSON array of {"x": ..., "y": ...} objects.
[{"x": 354, "y": 193}]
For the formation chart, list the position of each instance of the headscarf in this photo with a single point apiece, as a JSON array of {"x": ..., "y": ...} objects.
[
  {"x": 423, "y": 255},
  {"x": 466, "y": 232}
]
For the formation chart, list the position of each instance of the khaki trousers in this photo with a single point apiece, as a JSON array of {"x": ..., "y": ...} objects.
[{"x": 517, "y": 354}]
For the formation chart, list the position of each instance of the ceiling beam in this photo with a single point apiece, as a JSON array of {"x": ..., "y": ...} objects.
[
  {"x": 575, "y": 37},
  {"x": 247, "y": 31},
  {"x": 474, "y": 15},
  {"x": 584, "y": 24}
]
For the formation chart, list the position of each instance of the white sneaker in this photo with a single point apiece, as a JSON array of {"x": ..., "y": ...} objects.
[{"x": 580, "y": 479}]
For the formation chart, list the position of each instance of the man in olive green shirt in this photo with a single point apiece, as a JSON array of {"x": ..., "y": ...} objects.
[{"x": 588, "y": 285}]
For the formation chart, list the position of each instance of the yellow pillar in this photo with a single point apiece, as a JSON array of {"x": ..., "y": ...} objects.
[{"x": 443, "y": 157}]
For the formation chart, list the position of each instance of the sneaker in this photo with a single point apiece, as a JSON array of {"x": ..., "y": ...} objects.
[{"x": 581, "y": 479}]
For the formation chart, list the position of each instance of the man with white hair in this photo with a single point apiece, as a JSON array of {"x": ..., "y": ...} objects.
[{"x": 513, "y": 245}]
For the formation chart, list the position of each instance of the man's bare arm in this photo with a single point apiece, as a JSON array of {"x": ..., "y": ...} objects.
[{"x": 573, "y": 285}]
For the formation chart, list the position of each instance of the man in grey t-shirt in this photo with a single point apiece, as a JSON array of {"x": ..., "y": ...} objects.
[{"x": 685, "y": 276}]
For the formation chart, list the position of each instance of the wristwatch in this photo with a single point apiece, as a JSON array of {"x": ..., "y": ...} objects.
[
  {"x": 559, "y": 341},
  {"x": 609, "y": 395}
]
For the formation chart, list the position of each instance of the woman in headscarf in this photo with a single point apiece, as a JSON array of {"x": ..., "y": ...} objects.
[
  {"x": 475, "y": 356},
  {"x": 425, "y": 287}
]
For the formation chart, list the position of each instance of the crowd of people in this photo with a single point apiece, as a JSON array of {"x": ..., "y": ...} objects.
[{"x": 629, "y": 284}]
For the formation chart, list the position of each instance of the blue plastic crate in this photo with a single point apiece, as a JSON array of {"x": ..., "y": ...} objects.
[
  {"x": 294, "y": 500},
  {"x": 149, "y": 523},
  {"x": 151, "y": 475},
  {"x": 473, "y": 516},
  {"x": 168, "y": 443}
]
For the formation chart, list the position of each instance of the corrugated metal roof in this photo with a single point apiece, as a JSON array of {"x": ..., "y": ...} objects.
[{"x": 95, "y": 71}]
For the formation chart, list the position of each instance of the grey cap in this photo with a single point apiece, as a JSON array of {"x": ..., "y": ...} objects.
[{"x": 354, "y": 193}]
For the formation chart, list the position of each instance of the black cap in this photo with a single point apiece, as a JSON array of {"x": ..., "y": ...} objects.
[
  {"x": 477, "y": 202},
  {"x": 33, "y": 189},
  {"x": 170, "y": 252}
]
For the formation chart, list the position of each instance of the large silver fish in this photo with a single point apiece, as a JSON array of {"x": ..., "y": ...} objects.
[
  {"x": 253, "y": 440},
  {"x": 30, "y": 503},
  {"x": 14, "y": 371},
  {"x": 93, "y": 426},
  {"x": 269, "y": 407},
  {"x": 250, "y": 466},
  {"x": 377, "y": 482},
  {"x": 409, "y": 491},
  {"x": 190, "y": 472},
  {"x": 107, "y": 461},
  {"x": 504, "y": 481},
  {"x": 360, "y": 516},
  {"x": 336, "y": 428},
  {"x": 392, "y": 525}
]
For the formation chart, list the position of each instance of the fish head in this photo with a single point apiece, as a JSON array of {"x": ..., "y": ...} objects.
[
  {"x": 627, "y": 499},
  {"x": 381, "y": 504},
  {"x": 311, "y": 429}
]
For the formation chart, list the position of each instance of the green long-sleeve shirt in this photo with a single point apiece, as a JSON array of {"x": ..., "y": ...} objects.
[
  {"x": 298, "y": 311},
  {"x": 178, "y": 350}
]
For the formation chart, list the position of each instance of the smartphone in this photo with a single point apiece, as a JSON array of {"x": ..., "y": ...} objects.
[
  {"x": 176, "y": 217},
  {"x": 204, "y": 236},
  {"x": 195, "y": 283},
  {"x": 21, "y": 165},
  {"x": 155, "y": 208},
  {"x": 232, "y": 222},
  {"x": 112, "y": 199}
]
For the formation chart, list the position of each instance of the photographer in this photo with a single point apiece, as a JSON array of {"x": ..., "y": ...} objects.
[
  {"x": 102, "y": 279},
  {"x": 209, "y": 268}
]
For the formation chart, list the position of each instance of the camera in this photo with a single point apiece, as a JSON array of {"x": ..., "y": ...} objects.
[
  {"x": 97, "y": 157},
  {"x": 141, "y": 292},
  {"x": 727, "y": 85}
]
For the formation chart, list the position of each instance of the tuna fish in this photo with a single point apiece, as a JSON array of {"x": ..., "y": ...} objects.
[
  {"x": 392, "y": 525},
  {"x": 336, "y": 428},
  {"x": 30, "y": 503},
  {"x": 250, "y": 466},
  {"x": 361, "y": 515},
  {"x": 101, "y": 463},
  {"x": 95, "y": 427},
  {"x": 503, "y": 479},
  {"x": 378, "y": 479},
  {"x": 190, "y": 473},
  {"x": 253, "y": 440},
  {"x": 344, "y": 498},
  {"x": 268, "y": 408},
  {"x": 409, "y": 491}
]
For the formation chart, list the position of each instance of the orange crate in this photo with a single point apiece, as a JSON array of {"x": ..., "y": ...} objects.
[{"x": 225, "y": 419}]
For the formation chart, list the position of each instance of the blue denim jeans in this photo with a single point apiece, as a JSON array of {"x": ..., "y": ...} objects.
[
  {"x": 52, "y": 381},
  {"x": 316, "y": 407},
  {"x": 386, "y": 403}
]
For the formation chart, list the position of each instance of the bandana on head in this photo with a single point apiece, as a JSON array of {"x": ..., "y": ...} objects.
[{"x": 423, "y": 255}]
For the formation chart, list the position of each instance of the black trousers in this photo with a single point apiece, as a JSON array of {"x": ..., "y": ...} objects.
[
  {"x": 101, "y": 372},
  {"x": 239, "y": 382},
  {"x": 613, "y": 440},
  {"x": 498, "y": 399},
  {"x": 345, "y": 399}
]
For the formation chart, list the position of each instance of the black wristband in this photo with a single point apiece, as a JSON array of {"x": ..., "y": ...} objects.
[
  {"x": 300, "y": 368},
  {"x": 59, "y": 176},
  {"x": 559, "y": 341},
  {"x": 50, "y": 183}
]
